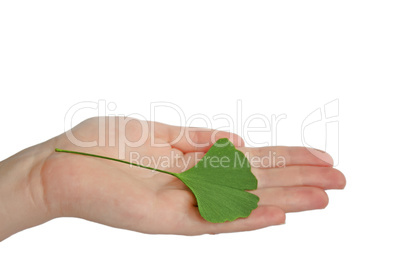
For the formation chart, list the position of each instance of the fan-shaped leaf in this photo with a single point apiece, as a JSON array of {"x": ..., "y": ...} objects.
[{"x": 219, "y": 181}]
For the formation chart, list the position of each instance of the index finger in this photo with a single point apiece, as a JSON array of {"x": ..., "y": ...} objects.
[{"x": 281, "y": 156}]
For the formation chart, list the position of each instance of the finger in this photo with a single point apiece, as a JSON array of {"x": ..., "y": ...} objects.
[
  {"x": 293, "y": 199},
  {"x": 261, "y": 217},
  {"x": 189, "y": 139},
  {"x": 323, "y": 177},
  {"x": 280, "y": 156}
]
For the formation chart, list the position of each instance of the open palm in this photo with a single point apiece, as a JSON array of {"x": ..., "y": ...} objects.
[{"x": 143, "y": 200}]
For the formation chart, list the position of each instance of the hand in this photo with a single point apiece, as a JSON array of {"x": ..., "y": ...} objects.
[{"x": 142, "y": 200}]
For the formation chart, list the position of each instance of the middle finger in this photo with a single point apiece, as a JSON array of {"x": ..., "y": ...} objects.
[{"x": 323, "y": 177}]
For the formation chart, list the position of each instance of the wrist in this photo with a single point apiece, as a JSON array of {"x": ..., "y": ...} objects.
[{"x": 22, "y": 200}]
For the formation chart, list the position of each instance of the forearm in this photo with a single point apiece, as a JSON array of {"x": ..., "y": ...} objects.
[{"x": 22, "y": 203}]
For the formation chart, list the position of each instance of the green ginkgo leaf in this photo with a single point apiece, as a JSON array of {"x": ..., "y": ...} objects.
[{"x": 218, "y": 181}]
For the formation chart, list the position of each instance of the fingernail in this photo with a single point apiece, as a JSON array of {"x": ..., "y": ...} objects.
[{"x": 322, "y": 155}]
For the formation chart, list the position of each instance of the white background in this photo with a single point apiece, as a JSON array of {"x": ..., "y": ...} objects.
[{"x": 282, "y": 57}]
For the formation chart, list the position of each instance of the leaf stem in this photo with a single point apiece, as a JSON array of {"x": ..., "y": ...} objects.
[{"x": 118, "y": 160}]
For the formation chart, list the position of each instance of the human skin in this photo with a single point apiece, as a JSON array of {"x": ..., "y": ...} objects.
[{"x": 38, "y": 184}]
